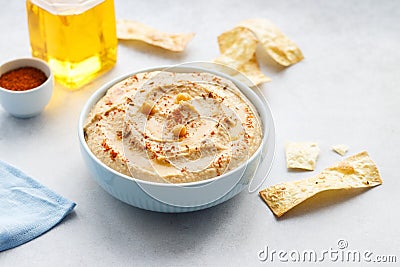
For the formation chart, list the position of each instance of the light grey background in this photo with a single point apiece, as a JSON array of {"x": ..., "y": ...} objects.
[{"x": 345, "y": 91}]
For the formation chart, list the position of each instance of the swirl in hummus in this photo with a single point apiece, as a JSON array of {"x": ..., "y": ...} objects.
[{"x": 173, "y": 127}]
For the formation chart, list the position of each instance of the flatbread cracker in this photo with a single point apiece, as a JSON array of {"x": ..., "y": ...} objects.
[
  {"x": 252, "y": 71},
  {"x": 283, "y": 50},
  {"x": 357, "y": 171},
  {"x": 238, "y": 50},
  {"x": 133, "y": 30},
  {"x": 237, "y": 47},
  {"x": 341, "y": 149},
  {"x": 301, "y": 155}
]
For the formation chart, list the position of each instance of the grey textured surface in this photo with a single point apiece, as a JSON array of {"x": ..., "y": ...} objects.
[{"x": 347, "y": 90}]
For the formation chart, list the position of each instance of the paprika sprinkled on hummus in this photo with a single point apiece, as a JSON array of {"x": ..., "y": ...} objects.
[
  {"x": 173, "y": 127},
  {"x": 22, "y": 79}
]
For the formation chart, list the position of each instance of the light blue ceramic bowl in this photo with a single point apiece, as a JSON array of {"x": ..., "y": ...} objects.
[{"x": 185, "y": 197}]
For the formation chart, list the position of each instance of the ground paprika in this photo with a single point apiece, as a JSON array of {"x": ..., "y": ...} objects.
[{"x": 22, "y": 79}]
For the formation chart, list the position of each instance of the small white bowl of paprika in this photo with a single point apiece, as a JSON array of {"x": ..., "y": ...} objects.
[{"x": 26, "y": 86}]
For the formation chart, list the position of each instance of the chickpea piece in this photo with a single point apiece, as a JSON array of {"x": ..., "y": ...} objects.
[
  {"x": 148, "y": 108},
  {"x": 179, "y": 130},
  {"x": 182, "y": 97}
]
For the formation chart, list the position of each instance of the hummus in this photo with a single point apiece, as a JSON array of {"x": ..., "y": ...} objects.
[{"x": 173, "y": 127}]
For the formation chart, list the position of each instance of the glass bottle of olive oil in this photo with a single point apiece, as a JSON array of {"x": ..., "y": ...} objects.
[{"x": 76, "y": 37}]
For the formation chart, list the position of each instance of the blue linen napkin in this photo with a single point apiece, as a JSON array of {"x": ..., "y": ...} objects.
[{"x": 27, "y": 208}]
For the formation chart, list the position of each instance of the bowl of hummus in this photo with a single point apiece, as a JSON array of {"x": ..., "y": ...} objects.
[{"x": 176, "y": 139}]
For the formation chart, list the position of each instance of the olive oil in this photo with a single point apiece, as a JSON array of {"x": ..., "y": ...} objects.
[{"x": 79, "y": 42}]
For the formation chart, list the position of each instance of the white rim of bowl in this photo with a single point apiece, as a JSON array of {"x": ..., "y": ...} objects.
[{"x": 95, "y": 97}]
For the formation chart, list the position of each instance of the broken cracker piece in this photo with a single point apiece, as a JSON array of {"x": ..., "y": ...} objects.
[
  {"x": 133, "y": 30},
  {"x": 253, "y": 72},
  {"x": 301, "y": 155},
  {"x": 238, "y": 50},
  {"x": 283, "y": 50},
  {"x": 237, "y": 47},
  {"x": 357, "y": 171},
  {"x": 341, "y": 149}
]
